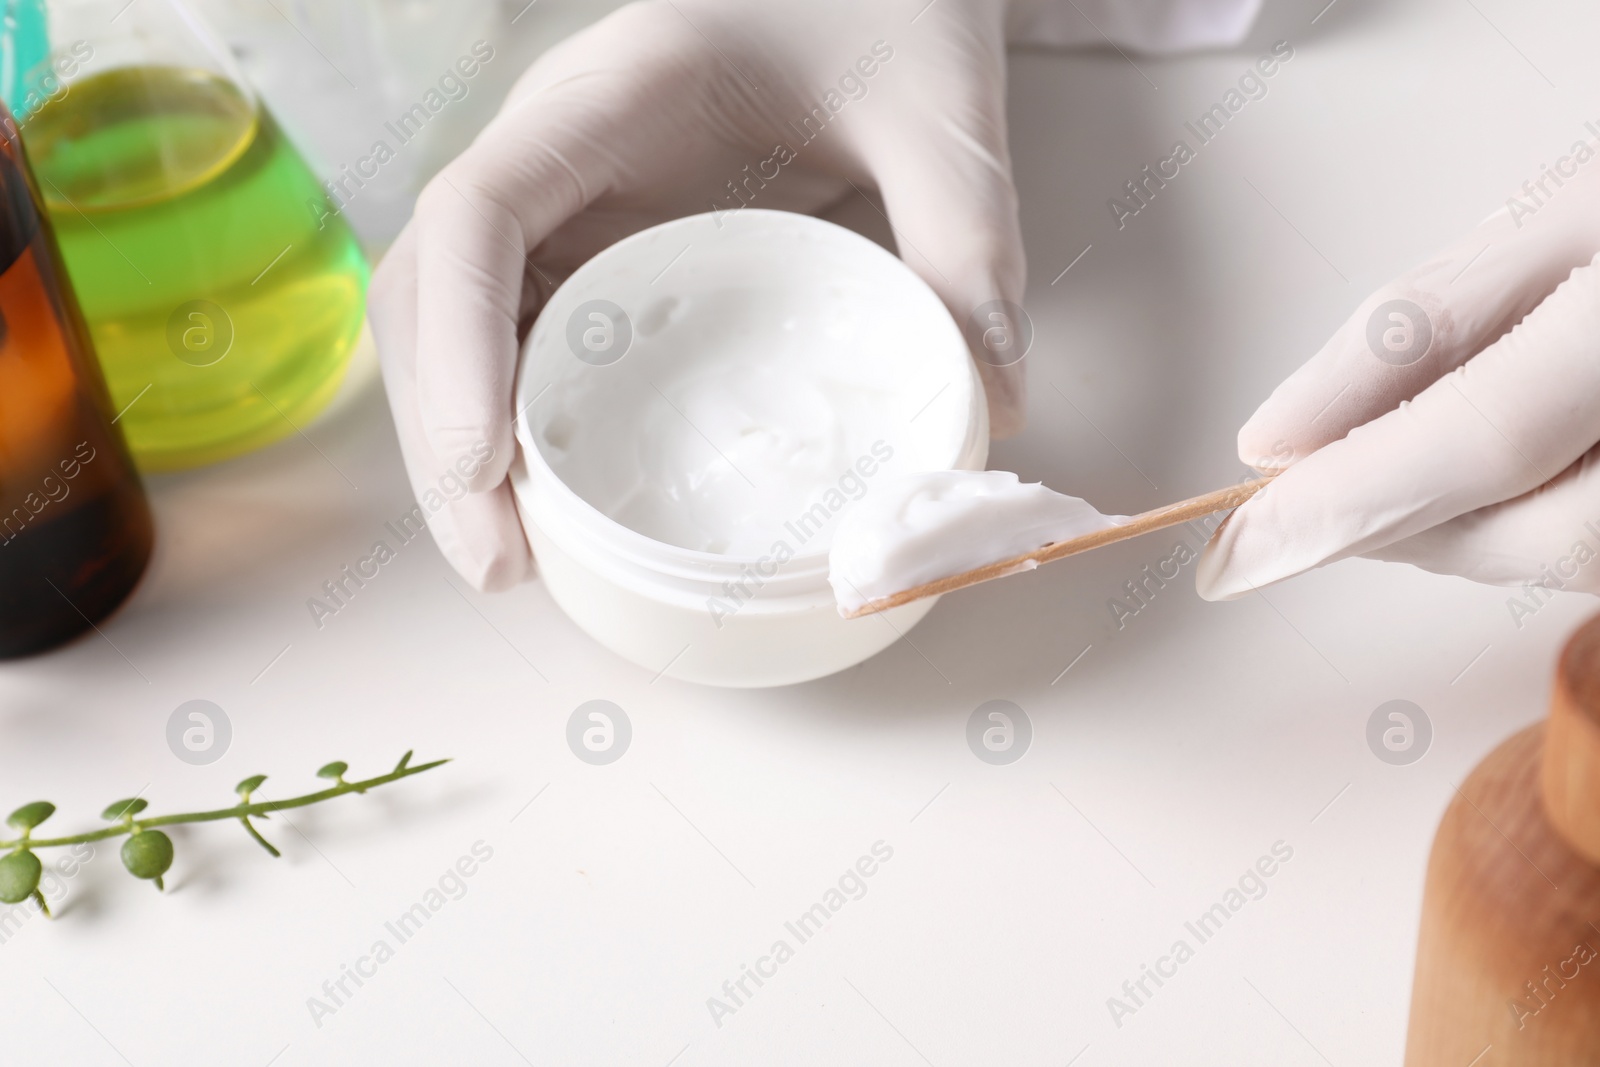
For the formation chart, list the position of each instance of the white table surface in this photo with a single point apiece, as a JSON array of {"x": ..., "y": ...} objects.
[{"x": 1019, "y": 898}]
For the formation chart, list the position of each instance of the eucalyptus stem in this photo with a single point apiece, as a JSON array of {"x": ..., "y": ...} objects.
[
  {"x": 263, "y": 842},
  {"x": 238, "y": 811},
  {"x": 148, "y": 851}
]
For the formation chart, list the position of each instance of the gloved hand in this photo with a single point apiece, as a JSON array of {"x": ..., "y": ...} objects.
[
  {"x": 665, "y": 109},
  {"x": 1452, "y": 423}
]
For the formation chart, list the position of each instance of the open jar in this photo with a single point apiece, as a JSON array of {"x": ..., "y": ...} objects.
[{"x": 698, "y": 404}]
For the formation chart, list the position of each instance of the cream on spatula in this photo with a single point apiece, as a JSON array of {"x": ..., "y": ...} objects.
[{"x": 920, "y": 535}]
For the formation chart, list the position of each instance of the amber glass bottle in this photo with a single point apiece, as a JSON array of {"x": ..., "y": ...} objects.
[{"x": 74, "y": 525}]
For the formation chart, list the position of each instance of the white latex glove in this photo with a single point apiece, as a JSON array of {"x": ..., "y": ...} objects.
[
  {"x": 1471, "y": 452},
  {"x": 644, "y": 117},
  {"x": 649, "y": 115}
]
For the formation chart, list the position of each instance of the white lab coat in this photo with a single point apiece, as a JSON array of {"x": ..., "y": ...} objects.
[{"x": 1154, "y": 26}]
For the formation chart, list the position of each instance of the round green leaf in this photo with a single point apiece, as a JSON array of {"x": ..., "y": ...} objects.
[
  {"x": 30, "y": 815},
  {"x": 147, "y": 854},
  {"x": 19, "y": 876},
  {"x": 250, "y": 785},
  {"x": 334, "y": 769},
  {"x": 120, "y": 808}
]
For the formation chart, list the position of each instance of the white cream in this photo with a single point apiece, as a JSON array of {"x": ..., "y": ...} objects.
[
  {"x": 712, "y": 435},
  {"x": 917, "y": 528}
]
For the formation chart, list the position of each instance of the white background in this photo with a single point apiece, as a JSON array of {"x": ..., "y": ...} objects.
[{"x": 1019, "y": 898}]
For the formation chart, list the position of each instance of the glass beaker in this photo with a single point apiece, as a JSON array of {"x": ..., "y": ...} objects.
[
  {"x": 74, "y": 525},
  {"x": 224, "y": 295}
]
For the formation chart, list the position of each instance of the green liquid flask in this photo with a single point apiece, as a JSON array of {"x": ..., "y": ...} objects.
[{"x": 224, "y": 300}]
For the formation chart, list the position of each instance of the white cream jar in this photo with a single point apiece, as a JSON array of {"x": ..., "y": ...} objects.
[{"x": 697, "y": 404}]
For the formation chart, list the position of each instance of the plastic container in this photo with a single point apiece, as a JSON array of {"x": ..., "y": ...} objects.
[{"x": 713, "y": 617}]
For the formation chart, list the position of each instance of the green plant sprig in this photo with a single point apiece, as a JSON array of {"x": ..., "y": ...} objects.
[{"x": 148, "y": 851}]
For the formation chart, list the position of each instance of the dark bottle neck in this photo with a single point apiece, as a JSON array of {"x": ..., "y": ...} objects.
[{"x": 19, "y": 220}]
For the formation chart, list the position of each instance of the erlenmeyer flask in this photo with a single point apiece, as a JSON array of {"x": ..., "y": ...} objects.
[
  {"x": 224, "y": 297},
  {"x": 74, "y": 527}
]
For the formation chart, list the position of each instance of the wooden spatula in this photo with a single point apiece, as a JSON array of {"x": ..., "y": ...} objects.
[{"x": 1147, "y": 522}]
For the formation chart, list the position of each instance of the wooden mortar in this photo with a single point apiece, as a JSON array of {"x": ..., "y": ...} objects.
[{"x": 1508, "y": 958}]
